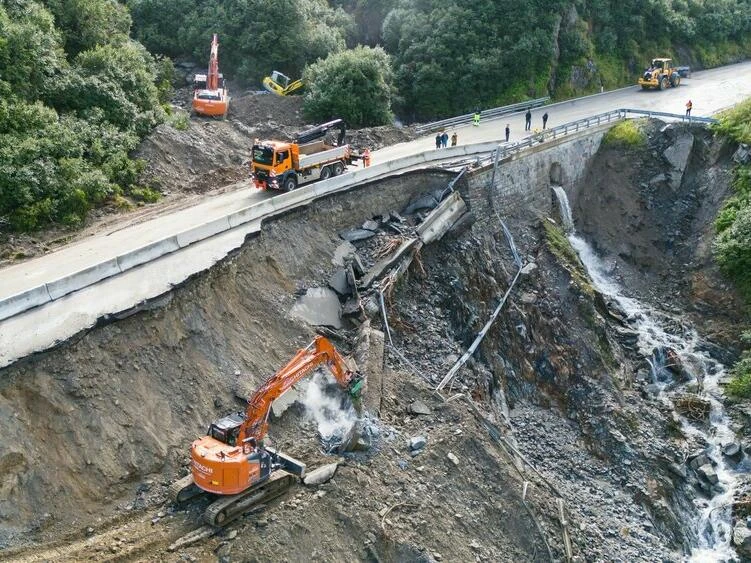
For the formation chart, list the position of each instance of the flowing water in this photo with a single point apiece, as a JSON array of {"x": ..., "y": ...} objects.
[{"x": 658, "y": 334}]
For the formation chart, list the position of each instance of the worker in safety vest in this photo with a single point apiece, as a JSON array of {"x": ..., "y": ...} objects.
[
  {"x": 366, "y": 158},
  {"x": 476, "y": 118}
]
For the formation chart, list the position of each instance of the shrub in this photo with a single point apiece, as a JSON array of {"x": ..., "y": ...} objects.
[
  {"x": 356, "y": 85},
  {"x": 626, "y": 134}
]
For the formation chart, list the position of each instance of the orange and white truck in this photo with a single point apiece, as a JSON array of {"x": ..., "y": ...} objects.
[{"x": 284, "y": 165}]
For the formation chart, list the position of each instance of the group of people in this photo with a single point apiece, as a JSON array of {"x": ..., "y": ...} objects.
[
  {"x": 442, "y": 139},
  {"x": 528, "y": 120}
]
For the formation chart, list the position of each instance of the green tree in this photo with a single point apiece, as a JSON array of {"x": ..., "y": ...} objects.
[
  {"x": 86, "y": 24},
  {"x": 355, "y": 85}
]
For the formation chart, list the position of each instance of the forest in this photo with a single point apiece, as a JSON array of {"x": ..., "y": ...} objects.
[{"x": 83, "y": 81}]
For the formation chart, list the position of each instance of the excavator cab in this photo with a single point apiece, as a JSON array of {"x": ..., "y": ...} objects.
[
  {"x": 281, "y": 84},
  {"x": 225, "y": 429}
]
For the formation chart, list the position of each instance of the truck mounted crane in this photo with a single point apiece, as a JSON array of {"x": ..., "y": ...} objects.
[
  {"x": 283, "y": 166},
  {"x": 231, "y": 461},
  {"x": 210, "y": 94}
]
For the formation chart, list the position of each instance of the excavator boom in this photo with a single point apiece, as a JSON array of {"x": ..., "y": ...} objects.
[{"x": 210, "y": 96}]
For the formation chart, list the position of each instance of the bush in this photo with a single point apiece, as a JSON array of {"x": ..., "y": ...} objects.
[
  {"x": 626, "y": 134},
  {"x": 355, "y": 85}
]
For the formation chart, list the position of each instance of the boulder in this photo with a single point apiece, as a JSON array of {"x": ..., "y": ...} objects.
[
  {"x": 742, "y": 540},
  {"x": 321, "y": 475},
  {"x": 679, "y": 152},
  {"x": 697, "y": 461},
  {"x": 528, "y": 268},
  {"x": 417, "y": 443},
  {"x": 732, "y": 450},
  {"x": 742, "y": 155},
  {"x": 418, "y": 407},
  {"x": 708, "y": 473}
]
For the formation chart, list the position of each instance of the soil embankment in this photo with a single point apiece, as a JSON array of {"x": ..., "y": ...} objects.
[{"x": 98, "y": 427}]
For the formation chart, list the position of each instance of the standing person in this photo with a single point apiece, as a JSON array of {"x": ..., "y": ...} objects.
[
  {"x": 508, "y": 132},
  {"x": 476, "y": 118},
  {"x": 689, "y": 105},
  {"x": 528, "y": 118},
  {"x": 366, "y": 158},
  {"x": 445, "y": 140},
  {"x": 438, "y": 140},
  {"x": 544, "y": 120},
  {"x": 454, "y": 139}
]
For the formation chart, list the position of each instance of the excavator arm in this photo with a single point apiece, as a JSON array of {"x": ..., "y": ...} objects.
[{"x": 318, "y": 352}]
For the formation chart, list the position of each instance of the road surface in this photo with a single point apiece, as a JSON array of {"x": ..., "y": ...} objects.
[{"x": 710, "y": 91}]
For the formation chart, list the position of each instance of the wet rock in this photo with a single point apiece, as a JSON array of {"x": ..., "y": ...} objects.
[
  {"x": 742, "y": 539},
  {"x": 708, "y": 473},
  {"x": 697, "y": 460},
  {"x": 418, "y": 407},
  {"x": 732, "y": 450},
  {"x": 321, "y": 475},
  {"x": 417, "y": 443}
]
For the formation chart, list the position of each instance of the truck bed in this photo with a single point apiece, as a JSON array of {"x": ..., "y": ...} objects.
[{"x": 330, "y": 155}]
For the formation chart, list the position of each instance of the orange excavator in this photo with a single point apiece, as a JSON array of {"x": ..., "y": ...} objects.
[
  {"x": 210, "y": 94},
  {"x": 231, "y": 461}
]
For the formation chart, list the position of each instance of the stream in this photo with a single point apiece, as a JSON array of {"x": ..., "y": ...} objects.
[{"x": 659, "y": 332}]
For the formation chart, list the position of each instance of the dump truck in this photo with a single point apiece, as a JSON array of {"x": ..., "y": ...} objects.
[
  {"x": 284, "y": 165},
  {"x": 660, "y": 75}
]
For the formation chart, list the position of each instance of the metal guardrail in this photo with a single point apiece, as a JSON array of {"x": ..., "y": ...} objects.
[
  {"x": 592, "y": 121},
  {"x": 495, "y": 112},
  {"x": 689, "y": 119}
]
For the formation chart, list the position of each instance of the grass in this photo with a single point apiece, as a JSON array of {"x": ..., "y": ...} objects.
[
  {"x": 179, "y": 120},
  {"x": 626, "y": 134},
  {"x": 566, "y": 255}
]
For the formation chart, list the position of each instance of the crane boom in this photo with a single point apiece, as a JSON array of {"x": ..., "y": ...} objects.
[{"x": 300, "y": 366}]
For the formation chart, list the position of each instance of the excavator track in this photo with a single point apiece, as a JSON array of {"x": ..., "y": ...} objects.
[
  {"x": 184, "y": 490},
  {"x": 225, "y": 509}
]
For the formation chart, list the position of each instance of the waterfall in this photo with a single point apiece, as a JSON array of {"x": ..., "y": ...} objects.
[
  {"x": 657, "y": 333},
  {"x": 565, "y": 208}
]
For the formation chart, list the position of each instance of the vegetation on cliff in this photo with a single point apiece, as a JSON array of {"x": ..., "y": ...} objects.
[
  {"x": 732, "y": 244},
  {"x": 76, "y": 96}
]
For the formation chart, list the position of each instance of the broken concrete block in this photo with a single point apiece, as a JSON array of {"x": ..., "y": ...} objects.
[
  {"x": 370, "y": 225},
  {"x": 368, "y": 353},
  {"x": 321, "y": 475},
  {"x": 339, "y": 282},
  {"x": 343, "y": 254},
  {"x": 678, "y": 153}
]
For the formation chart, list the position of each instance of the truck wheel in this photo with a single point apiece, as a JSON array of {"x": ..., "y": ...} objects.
[
  {"x": 325, "y": 173},
  {"x": 338, "y": 168},
  {"x": 290, "y": 183},
  {"x": 664, "y": 83},
  {"x": 675, "y": 80}
]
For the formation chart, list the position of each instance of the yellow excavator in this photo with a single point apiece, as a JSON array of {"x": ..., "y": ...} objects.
[{"x": 281, "y": 84}]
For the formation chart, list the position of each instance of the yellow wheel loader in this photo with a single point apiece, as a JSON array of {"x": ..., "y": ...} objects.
[{"x": 660, "y": 75}]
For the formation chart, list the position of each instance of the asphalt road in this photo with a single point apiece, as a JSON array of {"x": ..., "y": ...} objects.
[{"x": 710, "y": 91}]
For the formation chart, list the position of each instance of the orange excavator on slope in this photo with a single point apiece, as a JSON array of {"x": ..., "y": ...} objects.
[
  {"x": 231, "y": 461},
  {"x": 210, "y": 94}
]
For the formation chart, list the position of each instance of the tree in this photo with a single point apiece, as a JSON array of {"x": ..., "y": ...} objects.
[
  {"x": 86, "y": 24},
  {"x": 355, "y": 85}
]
